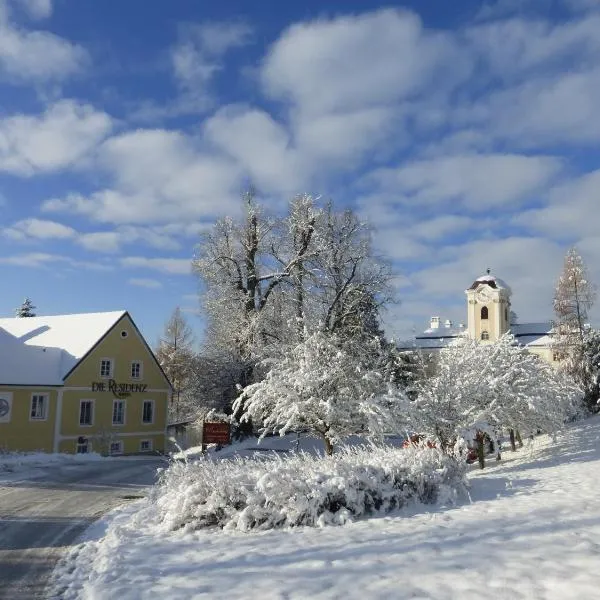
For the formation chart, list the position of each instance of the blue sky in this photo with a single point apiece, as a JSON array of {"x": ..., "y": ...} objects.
[{"x": 466, "y": 132}]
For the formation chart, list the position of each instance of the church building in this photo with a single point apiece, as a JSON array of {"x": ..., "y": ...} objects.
[{"x": 488, "y": 318}]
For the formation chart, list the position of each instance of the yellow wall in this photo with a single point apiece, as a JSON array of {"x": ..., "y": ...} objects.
[
  {"x": 22, "y": 433},
  {"x": 122, "y": 350}
]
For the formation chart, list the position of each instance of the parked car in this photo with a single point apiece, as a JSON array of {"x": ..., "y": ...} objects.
[{"x": 416, "y": 439}]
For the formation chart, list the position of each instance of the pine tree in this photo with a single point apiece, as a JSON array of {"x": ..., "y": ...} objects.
[{"x": 26, "y": 309}]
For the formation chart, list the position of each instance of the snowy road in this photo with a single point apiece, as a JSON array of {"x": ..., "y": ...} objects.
[{"x": 42, "y": 516}]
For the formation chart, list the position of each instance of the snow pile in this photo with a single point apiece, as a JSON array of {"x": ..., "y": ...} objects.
[
  {"x": 246, "y": 494},
  {"x": 13, "y": 462}
]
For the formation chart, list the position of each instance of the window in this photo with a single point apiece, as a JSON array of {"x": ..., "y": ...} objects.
[
  {"x": 145, "y": 445},
  {"x": 86, "y": 412},
  {"x": 148, "y": 411},
  {"x": 39, "y": 407},
  {"x": 5, "y": 406},
  {"x": 118, "y": 415},
  {"x": 485, "y": 335},
  {"x": 136, "y": 369},
  {"x": 106, "y": 367},
  {"x": 484, "y": 313},
  {"x": 556, "y": 356},
  {"x": 116, "y": 447}
]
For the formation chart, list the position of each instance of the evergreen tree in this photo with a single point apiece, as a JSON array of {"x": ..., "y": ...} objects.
[{"x": 26, "y": 309}]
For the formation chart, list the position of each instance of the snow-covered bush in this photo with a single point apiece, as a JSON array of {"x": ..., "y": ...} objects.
[
  {"x": 301, "y": 489},
  {"x": 490, "y": 387}
]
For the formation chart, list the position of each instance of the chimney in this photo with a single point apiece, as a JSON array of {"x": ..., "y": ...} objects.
[{"x": 434, "y": 323}]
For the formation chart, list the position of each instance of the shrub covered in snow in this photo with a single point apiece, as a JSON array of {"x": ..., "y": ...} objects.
[{"x": 301, "y": 489}]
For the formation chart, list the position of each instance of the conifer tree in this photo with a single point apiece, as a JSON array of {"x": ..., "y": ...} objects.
[{"x": 26, "y": 309}]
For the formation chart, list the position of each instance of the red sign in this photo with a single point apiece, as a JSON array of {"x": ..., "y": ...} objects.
[{"x": 215, "y": 433}]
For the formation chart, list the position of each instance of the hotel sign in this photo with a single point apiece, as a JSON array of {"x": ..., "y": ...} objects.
[{"x": 119, "y": 389}]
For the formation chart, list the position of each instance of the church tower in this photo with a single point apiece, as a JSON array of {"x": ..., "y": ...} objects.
[{"x": 488, "y": 308}]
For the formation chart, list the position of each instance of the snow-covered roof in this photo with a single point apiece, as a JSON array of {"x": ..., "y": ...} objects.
[
  {"x": 42, "y": 350},
  {"x": 492, "y": 281},
  {"x": 435, "y": 337},
  {"x": 532, "y": 334}
]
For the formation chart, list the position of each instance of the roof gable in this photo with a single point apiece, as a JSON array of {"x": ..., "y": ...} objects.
[{"x": 43, "y": 350}]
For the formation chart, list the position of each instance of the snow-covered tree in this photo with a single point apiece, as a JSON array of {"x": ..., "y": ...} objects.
[
  {"x": 176, "y": 357},
  {"x": 591, "y": 369},
  {"x": 325, "y": 386},
  {"x": 269, "y": 281},
  {"x": 26, "y": 309},
  {"x": 573, "y": 297},
  {"x": 486, "y": 388}
]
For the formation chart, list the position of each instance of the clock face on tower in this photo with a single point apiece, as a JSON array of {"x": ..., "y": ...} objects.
[{"x": 483, "y": 295}]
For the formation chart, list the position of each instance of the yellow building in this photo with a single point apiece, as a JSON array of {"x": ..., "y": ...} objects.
[
  {"x": 488, "y": 318},
  {"x": 80, "y": 383}
]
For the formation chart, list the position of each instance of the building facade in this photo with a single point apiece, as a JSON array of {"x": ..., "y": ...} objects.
[
  {"x": 80, "y": 383},
  {"x": 488, "y": 318}
]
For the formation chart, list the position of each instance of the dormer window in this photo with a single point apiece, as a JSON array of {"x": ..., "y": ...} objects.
[
  {"x": 484, "y": 313},
  {"x": 485, "y": 336}
]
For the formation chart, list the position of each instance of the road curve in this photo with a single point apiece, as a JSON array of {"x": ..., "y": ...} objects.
[{"x": 40, "y": 518}]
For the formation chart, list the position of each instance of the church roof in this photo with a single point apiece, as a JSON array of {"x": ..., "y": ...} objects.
[
  {"x": 526, "y": 334},
  {"x": 491, "y": 280},
  {"x": 532, "y": 334}
]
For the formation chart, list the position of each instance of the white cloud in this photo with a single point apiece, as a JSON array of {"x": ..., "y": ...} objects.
[
  {"x": 513, "y": 47},
  {"x": 260, "y": 145},
  {"x": 175, "y": 266},
  {"x": 152, "y": 284},
  {"x": 352, "y": 62},
  {"x": 101, "y": 241},
  {"x": 38, "y": 260},
  {"x": 158, "y": 176},
  {"x": 38, "y": 9},
  {"x": 37, "y": 56},
  {"x": 31, "y": 259},
  {"x": 444, "y": 225},
  {"x": 478, "y": 182},
  {"x": 571, "y": 212},
  {"x": 196, "y": 60},
  {"x": 59, "y": 138},
  {"x": 38, "y": 229}
]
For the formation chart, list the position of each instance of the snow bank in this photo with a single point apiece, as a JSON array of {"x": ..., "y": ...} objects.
[
  {"x": 246, "y": 494},
  {"x": 15, "y": 462}
]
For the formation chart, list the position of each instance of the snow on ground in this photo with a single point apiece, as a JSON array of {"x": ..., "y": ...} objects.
[
  {"x": 23, "y": 464},
  {"x": 532, "y": 531}
]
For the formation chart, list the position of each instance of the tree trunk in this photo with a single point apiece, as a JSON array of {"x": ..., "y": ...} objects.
[
  {"x": 519, "y": 440},
  {"x": 481, "y": 450},
  {"x": 328, "y": 446},
  {"x": 513, "y": 446}
]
